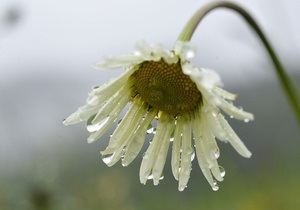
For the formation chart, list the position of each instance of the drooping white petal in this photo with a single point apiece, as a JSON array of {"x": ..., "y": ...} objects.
[
  {"x": 224, "y": 94},
  {"x": 215, "y": 124},
  {"x": 201, "y": 155},
  {"x": 111, "y": 103},
  {"x": 117, "y": 62},
  {"x": 235, "y": 112},
  {"x": 175, "y": 161},
  {"x": 162, "y": 152},
  {"x": 151, "y": 154},
  {"x": 186, "y": 155},
  {"x": 136, "y": 144},
  {"x": 210, "y": 147},
  {"x": 111, "y": 118},
  {"x": 234, "y": 140},
  {"x": 127, "y": 126},
  {"x": 124, "y": 138},
  {"x": 206, "y": 78},
  {"x": 184, "y": 50}
]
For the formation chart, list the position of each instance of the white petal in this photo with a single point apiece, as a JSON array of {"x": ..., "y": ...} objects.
[
  {"x": 235, "y": 112},
  {"x": 136, "y": 144},
  {"x": 116, "y": 62},
  {"x": 215, "y": 125},
  {"x": 204, "y": 77},
  {"x": 186, "y": 156},
  {"x": 113, "y": 102},
  {"x": 162, "y": 151},
  {"x": 185, "y": 50},
  {"x": 175, "y": 162},
  {"x": 211, "y": 148},
  {"x": 224, "y": 94},
  {"x": 127, "y": 127},
  {"x": 234, "y": 140},
  {"x": 151, "y": 154},
  {"x": 201, "y": 156},
  {"x": 112, "y": 116}
]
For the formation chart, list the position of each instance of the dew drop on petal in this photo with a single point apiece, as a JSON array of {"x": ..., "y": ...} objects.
[
  {"x": 246, "y": 120},
  {"x": 150, "y": 176},
  {"x": 190, "y": 53},
  {"x": 215, "y": 187},
  {"x": 193, "y": 156},
  {"x": 95, "y": 127},
  {"x": 222, "y": 171},
  {"x": 217, "y": 153},
  {"x": 107, "y": 158},
  {"x": 150, "y": 129},
  {"x": 181, "y": 187},
  {"x": 154, "y": 131}
]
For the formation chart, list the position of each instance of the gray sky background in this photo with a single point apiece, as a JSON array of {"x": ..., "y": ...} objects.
[{"x": 45, "y": 56}]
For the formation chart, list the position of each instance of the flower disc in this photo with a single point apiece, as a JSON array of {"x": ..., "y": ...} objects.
[{"x": 165, "y": 87}]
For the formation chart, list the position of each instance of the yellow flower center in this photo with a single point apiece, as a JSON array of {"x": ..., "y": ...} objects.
[{"x": 165, "y": 87}]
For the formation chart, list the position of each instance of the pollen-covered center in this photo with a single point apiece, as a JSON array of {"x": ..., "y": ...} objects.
[{"x": 165, "y": 87}]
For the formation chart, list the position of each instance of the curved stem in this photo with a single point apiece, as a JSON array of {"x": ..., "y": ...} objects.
[{"x": 286, "y": 83}]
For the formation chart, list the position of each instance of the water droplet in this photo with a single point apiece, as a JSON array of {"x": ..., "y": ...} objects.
[
  {"x": 107, "y": 158},
  {"x": 94, "y": 100},
  {"x": 222, "y": 171},
  {"x": 95, "y": 127},
  {"x": 190, "y": 53},
  {"x": 145, "y": 156},
  {"x": 181, "y": 187},
  {"x": 150, "y": 129},
  {"x": 154, "y": 131},
  {"x": 246, "y": 120},
  {"x": 151, "y": 177},
  {"x": 215, "y": 187},
  {"x": 119, "y": 121},
  {"x": 193, "y": 156},
  {"x": 231, "y": 116},
  {"x": 217, "y": 153}
]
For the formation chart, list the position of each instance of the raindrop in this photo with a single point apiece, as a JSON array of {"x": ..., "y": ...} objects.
[
  {"x": 107, "y": 158},
  {"x": 95, "y": 127},
  {"x": 246, "y": 120},
  {"x": 231, "y": 116},
  {"x": 181, "y": 187},
  {"x": 193, "y": 156},
  {"x": 222, "y": 171},
  {"x": 145, "y": 156},
  {"x": 190, "y": 53},
  {"x": 94, "y": 100},
  {"x": 154, "y": 131},
  {"x": 151, "y": 177},
  {"x": 150, "y": 129},
  {"x": 215, "y": 187},
  {"x": 172, "y": 136},
  {"x": 217, "y": 153},
  {"x": 187, "y": 70}
]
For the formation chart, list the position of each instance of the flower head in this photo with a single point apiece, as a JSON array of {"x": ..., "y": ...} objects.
[{"x": 185, "y": 100}]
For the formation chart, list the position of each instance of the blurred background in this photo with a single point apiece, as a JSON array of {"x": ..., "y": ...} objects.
[{"x": 46, "y": 50}]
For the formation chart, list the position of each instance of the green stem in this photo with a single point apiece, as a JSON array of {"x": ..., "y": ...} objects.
[{"x": 286, "y": 83}]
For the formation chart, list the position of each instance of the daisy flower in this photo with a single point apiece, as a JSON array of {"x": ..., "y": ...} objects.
[{"x": 187, "y": 102}]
